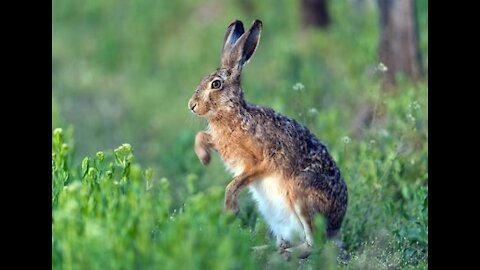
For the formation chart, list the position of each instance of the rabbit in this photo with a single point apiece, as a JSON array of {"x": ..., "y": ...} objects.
[{"x": 288, "y": 171}]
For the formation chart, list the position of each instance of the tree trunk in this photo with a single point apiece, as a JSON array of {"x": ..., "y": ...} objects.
[
  {"x": 398, "y": 44},
  {"x": 315, "y": 13}
]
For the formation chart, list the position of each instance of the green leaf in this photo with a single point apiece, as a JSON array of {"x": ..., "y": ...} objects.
[{"x": 85, "y": 166}]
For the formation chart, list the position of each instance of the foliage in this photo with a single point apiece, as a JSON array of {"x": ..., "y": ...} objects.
[{"x": 123, "y": 71}]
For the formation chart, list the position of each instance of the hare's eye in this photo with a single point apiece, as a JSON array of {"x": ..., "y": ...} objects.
[{"x": 216, "y": 84}]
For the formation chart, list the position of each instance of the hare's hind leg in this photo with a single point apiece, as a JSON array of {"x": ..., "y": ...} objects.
[
  {"x": 281, "y": 244},
  {"x": 303, "y": 250},
  {"x": 338, "y": 208},
  {"x": 306, "y": 221}
]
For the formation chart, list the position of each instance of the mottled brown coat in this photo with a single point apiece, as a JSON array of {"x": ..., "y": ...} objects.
[{"x": 255, "y": 142}]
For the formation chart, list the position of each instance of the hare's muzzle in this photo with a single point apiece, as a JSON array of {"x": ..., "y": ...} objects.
[{"x": 192, "y": 105}]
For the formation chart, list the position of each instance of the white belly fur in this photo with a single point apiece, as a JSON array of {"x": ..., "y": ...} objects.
[{"x": 272, "y": 204}]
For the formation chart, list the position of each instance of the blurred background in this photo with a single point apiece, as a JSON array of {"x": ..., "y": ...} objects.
[{"x": 355, "y": 72}]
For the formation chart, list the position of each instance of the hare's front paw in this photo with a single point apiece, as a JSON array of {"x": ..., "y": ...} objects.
[
  {"x": 202, "y": 147},
  {"x": 203, "y": 155}
]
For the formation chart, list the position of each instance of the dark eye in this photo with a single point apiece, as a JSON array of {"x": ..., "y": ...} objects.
[{"x": 216, "y": 84}]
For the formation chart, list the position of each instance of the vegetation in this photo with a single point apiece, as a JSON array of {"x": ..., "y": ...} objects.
[{"x": 123, "y": 71}]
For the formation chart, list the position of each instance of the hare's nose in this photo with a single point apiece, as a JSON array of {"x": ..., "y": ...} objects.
[{"x": 192, "y": 105}]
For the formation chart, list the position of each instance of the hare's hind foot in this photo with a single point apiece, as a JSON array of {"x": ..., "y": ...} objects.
[{"x": 302, "y": 250}]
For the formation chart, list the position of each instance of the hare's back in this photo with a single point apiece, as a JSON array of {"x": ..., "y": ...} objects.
[{"x": 288, "y": 143}]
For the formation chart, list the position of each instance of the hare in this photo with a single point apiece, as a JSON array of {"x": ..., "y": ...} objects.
[{"x": 288, "y": 171}]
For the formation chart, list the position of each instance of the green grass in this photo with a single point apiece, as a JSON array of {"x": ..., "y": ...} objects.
[{"x": 123, "y": 71}]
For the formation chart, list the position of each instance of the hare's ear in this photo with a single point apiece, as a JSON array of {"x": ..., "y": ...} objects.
[
  {"x": 234, "y": 32},
  {"x": 244, "y": 48}
]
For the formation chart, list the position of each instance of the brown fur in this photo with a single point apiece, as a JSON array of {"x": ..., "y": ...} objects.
[{"x": 262, "y": 142}]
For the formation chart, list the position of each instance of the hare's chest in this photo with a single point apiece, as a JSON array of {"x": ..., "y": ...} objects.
[
  {"x": 234, "y": 166},
  {"x": 237, "y": 152},
  {"x": 273, "y": 203},
  {"x": 233, "y": 159}
]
